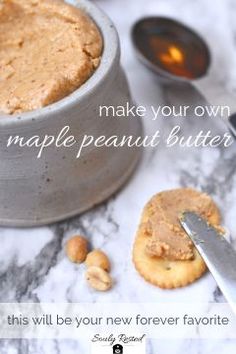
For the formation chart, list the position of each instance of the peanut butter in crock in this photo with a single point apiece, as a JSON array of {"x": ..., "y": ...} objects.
[{"x": 48, "y": 49}]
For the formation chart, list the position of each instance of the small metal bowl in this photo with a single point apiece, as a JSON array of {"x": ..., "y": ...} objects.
[
  {"x": 153, "y": 37},
  {"x": 197, "y": 54}
]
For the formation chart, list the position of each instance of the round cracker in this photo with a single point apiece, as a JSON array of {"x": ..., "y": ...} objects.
[{"x": 164, "y": 273}]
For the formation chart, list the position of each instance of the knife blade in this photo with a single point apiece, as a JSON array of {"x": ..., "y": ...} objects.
[{"x": 217, "y": 253}]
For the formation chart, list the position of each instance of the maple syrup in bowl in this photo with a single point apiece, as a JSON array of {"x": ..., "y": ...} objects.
[
  {"x": 170, "y": 49},
  {"x": 177, "y": 54}
]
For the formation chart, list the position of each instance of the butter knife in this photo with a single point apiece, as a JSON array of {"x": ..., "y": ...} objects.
[{"x": 217, "y": 253}]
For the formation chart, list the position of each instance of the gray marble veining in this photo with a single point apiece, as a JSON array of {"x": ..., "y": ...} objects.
[{"x": 33, "y": 266}]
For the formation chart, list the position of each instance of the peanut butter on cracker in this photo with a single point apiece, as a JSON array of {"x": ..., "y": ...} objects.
[
  {"x": 169, "y": 240},
  {"x": 163, "y": 253}
]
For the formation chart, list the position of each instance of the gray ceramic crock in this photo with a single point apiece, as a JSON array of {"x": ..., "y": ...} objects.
[{"x": 57, "y": 186}]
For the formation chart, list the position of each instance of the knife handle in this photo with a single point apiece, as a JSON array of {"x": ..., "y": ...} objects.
[{"x": 218, "y": 254}]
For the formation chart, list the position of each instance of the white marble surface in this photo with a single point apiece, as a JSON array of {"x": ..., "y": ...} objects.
[{"x": 33, "y": 266}]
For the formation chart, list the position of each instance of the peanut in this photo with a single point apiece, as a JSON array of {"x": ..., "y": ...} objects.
[
  {"x": 99, "y": 259},
  {"x": 98, "y": 279},
  {"x": 77, "y": 249}
]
